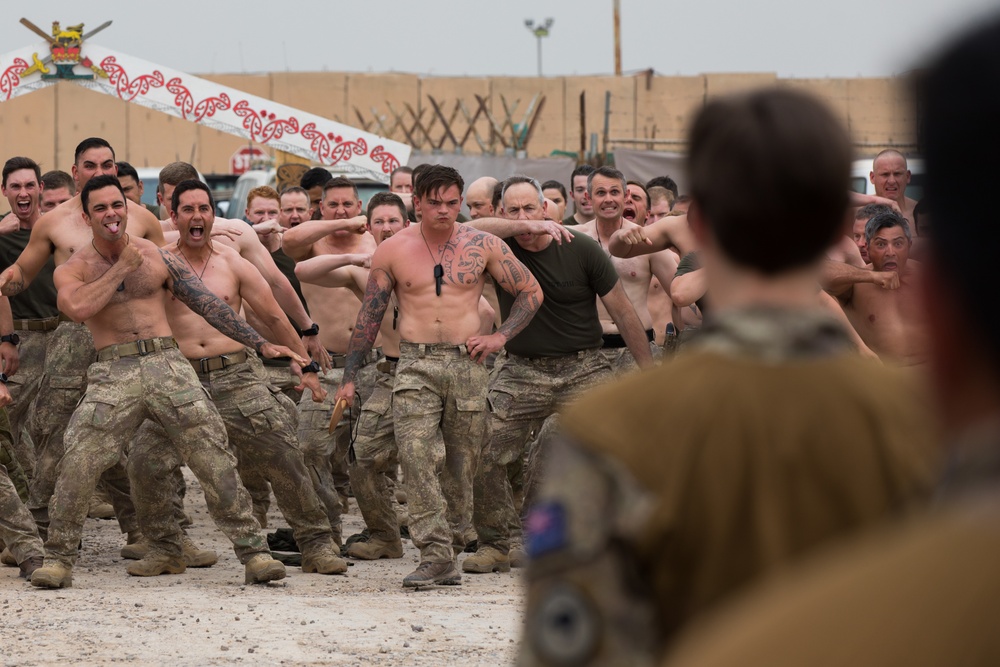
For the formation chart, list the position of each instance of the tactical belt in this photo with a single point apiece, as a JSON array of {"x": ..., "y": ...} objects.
[
  {"x": 338, "y": 360},
  {"x": 615, "y": 341},
  {"x": 209, "y": 364},
  {"x": 137, "y": 348},
  {"x": 387, "y": 365},
  {"x": 47, "y": 324}
]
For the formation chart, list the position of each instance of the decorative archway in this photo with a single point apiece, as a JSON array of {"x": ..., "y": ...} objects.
[{"x": 70, "y": 56}]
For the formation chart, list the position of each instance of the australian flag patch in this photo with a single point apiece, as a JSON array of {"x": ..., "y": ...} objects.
[{"x": 546, "y": 528}]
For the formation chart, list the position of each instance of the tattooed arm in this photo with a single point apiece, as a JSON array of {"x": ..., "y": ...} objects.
[
  {"x": 16, "y": 278},
  {"x": 510, "y": 274},
  {"x": 189, "y": 289},
  {"x": 377, "y": 295}
]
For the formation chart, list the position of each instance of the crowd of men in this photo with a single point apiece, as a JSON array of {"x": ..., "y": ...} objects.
[{"x": 322, "y": 349}]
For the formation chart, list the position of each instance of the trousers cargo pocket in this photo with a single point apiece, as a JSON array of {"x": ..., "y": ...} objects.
[
  {"x": 103, "y": 415},
  {"x": 473, "y": 411},
  {"x": 191, "y": 406},
  {"x": 263, "y": 414},
  {"x": 374, "y": 411}
]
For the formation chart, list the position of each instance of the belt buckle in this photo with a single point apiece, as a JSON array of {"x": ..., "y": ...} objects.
[
  {"x": 141, "y": 347},
  {"x": 203, "y": 364},
  {"x": 225, "y": 361}
]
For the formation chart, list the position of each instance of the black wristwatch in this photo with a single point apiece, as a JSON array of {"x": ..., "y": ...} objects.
[
  {"x": 311, "y": 331},
  {"x": 313, "y": 367},
  {"x": 11, "y": 338},
  {"x": 3, "y": 378}
]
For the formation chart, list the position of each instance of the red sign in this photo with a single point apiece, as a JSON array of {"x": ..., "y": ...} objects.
[{"x": 243, "y": 159}]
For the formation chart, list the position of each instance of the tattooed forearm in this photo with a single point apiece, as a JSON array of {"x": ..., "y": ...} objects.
[
  {"x": 13, "y": 288},
  {"x": 192, "y": 292},
  {"x": 377, "y": 295},
  {"x": 521, "y": 311}
]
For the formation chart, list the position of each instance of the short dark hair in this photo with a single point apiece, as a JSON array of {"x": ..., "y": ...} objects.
[
  {"x": 317, "y": 176},
  {"x": 19, "y": 163},
  {"x": 125, "y": 169},
  {"x": 437, "y": 177},
  {"x": 176, "y": 173},
  {"x": 606, "y": 172},
  {"x": 419, "y": 169},
  {"x": 187, "y": 186},
  {"x": 497, "y": 196},
  {"x": 555, "y": 185},
  {"x": 55, "y": 179},
  {"x": 89, "y": 143},
  {"x": 99, "y": 183},
  {"x": 922, "y": 217},
  {"x": 294, "y": 189},
  {"x": 869, "y": 211},
  {"x": 886, "y": 220},
  {"x": 663, "y": 182},
  {"x": 581, "y": 170},
  {"x": 763, "y": 163},
  {"x": 341, "y": 182},
  {"x": 400, "y": 170},
  {"x": 385, "y": 199},
  {"x": 645, "y": 190}
]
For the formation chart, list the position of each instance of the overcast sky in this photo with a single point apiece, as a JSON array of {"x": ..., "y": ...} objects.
[{"x": 795, "y": 38}]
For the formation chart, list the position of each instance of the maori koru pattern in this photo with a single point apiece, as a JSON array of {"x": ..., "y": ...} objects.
[
  {"x": 262, "y": 126},
  {"x": 11, "y": 77}
]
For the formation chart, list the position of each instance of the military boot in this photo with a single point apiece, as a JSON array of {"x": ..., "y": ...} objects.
[
  {"x": 518, "y": 556},
  {"x": 28, "y": 566},
  {"x": 261, "y": 568},
  {"x": 486, "y": 559},
  {"x": 53, "y": 574},
  {"x": 197, "y": 557},
  {"x": 323, "y": 561},
  {"x": 431, "y": 574},
  {"x": 136, "y": 546},
  {"x": 374, "y": 549},
  {"x": 7, "y": 558},
  {"x": 155, "y": 564}
]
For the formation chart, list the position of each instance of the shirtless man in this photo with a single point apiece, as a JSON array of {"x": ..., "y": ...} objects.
[
  {"x": 890, "y": 177},
  {"x": 861, "y": 218},
  {"x": 340, "y": 231},
  {"x": 606, "y": 188},
  {"x": 263, "y": 208},
  {"x": 440, "y": 407},
  {"x": 887, "y": 317},
  {"x": 661, "y": 200},
  {"x": 555, "y": 192},
  {"x": 259, "y": 428},
  {"x": 636, "y": 208},
  {"x": 58, "y": 188},
  {"x": 59, "y": 234},
  {"x": 117, "y": 285}
]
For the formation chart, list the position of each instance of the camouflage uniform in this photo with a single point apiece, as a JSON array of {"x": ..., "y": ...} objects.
[
  {"x": 439, "y": 405},
  {"x": 765, "y": 438},
  {"x": 376, "y": 456},
  {"x": 325, "y": 454},
  {"x": 24, "y": 386},
  {"x": 263, "y": 439},
  {"x": 17, "y": 529},
  {"x": 618, "y": 355},
  {"x": 122, "y": 392},
  {"x": 69, "y": 354},
  {"x": 524, "y": 394}
]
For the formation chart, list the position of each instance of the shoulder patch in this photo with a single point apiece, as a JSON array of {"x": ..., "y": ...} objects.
[{"x": 545, "y": 528}]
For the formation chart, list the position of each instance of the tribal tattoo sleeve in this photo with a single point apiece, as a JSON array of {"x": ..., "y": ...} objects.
[
  {"x": 377, "y": 295},
  {"x": 192, "y": 292},
  {"x": 514, "y": 277}
]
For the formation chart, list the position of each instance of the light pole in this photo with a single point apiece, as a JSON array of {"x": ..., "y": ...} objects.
[{"x": 539, "y": 31}]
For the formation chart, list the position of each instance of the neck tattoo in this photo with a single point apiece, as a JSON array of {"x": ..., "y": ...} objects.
[
  {"x": 121, "y": 287},
  {"x": 438, "y": 269},
  {"x": 204, "y": 268},
  {"x": 597, "y": 229}
]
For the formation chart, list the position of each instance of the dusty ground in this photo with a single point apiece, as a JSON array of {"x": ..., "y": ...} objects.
[{"x": 208, "y": 616}]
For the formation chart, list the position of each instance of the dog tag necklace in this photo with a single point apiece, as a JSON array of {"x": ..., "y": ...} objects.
[{"x": 438, "y": 269}]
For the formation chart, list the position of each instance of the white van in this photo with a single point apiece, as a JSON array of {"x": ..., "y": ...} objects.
[
  {"x": 257, "y": 177},
  {"x": 150, "y": 177},
  {"x": 861, "y": 182}
]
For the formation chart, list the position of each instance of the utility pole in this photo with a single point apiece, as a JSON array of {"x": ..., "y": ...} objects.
[
  {"x": 618, "y": 37},
  {"x": 539, "y": 31}
]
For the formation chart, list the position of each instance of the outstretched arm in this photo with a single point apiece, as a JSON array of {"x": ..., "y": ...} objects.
[
  {"x": 189, "y": 289},
  {"x": 670, "y": 232},
  {"x": 297, "y": 242},
  {"x": 16, "y": 278},
  {"x": 505, "y": 228},
  {"x": 366, "y": 328}
]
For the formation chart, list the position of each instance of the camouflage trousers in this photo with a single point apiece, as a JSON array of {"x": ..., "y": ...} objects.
[
  {"x": 440, "y": 411},
  {"x": 376, "y": 457},
  {"x": 68, "y": 355},
  {"x": 524, "y": 395},
  {"x": 123, "y": 392},
  {"x": 263, "y": 438},
  {"x": 23, "y": 387},
  {"x": 280, "y": 378},
  {"x": 326, "y": 454},
  {"x": 621, "y": 359},
  {"x": 17, "y": 528}
]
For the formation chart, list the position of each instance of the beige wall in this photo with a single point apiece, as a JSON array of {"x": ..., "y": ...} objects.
[{"x": 47, "y": 125}]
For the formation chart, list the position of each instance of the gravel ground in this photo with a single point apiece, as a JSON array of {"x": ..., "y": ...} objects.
[{"x": 208, "y": 616}]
